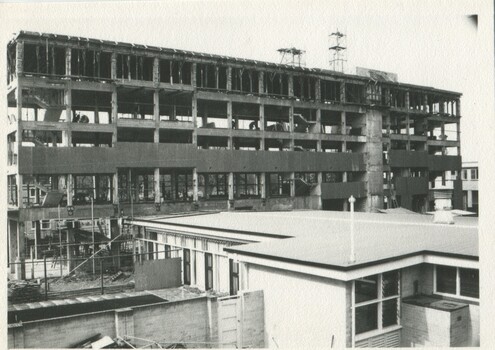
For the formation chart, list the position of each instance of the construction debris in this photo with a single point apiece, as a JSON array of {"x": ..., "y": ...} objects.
[{"x": 23, "y": 291}]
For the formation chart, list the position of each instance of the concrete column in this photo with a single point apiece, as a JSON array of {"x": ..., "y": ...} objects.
[
  {"x": 406, "y": 102},
  {"x": 114, "y": 116},
  {"x": 291, "y": 126},
  {"x": 317, "y": 127},
  {"x": 12, "y": 242},
  {"x": 374, "y": 160},
  {"x": 458, "y": 107},
  {"x": 67, "y": 133},
  {"x": 124, "y": 322},
  {"x": 19, "y": 181},
  {"x": 194, "y": 112},
  {"x": 156, "y": 114},
  {"x": 290, "y": 81},
  {"x": 263, "y": 184},
  {"x": 229, "y": 78},
  {"x": 157, "y": 185},
  {"x": 156, "y": 71},
  {"x": 318, "y": 189},
  {"x": 342, "y": 92},
  {"x": 425, "y": 103},
  {"x": 195, "y": 184},
  {"x": 229, "y": 124},
  {"x": 292, "y": 184},
  {"x": 113, "y": 66},
  {"x": 217, "y": 75},
  {"x": 193, "y": 75},
  {"x": 231, "y": 187},
  {"x": 20, "y": 267},
  {"x": 343, "y": 123},
  {"x": 317, "y": 90},
  {"x": 19, "y": 57},
  {"x": 115, "y": 180},
  {"x": 68, "y": 60},
  {"x": 70, "y": 189},
  {"x": 261, "y": 82}
]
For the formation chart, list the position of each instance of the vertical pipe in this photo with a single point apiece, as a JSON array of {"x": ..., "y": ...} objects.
[
  {"x": 46, "y": 280},
  {"x": 60, "y": 241},
  {"x": 93, "y": 232},
  {"x": 101, "y": 274},
  {"x": 353, "y": 255}
]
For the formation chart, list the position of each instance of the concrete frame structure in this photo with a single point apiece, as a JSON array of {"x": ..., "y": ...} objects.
[
  {"x": 306, "y": 274},
  {"x": 145, "y": 130},
  {"x": 470, "y": 176}
]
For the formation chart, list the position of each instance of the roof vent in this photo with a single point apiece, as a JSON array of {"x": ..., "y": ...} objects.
[{"x": 443, "y": 217}]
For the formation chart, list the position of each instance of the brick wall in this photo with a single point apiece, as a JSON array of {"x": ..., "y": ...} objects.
[
  {"x": 423, "y": 326},
  {"x": 253, "y": 320}
]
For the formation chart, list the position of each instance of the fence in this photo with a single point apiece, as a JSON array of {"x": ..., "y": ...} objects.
[{"x": 58, "y": 277}]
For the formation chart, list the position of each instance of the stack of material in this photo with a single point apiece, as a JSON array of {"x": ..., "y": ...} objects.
[{"x": 23, "y": 291}]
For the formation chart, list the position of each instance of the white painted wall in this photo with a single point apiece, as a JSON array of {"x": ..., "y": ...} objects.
[{"x": 301, "y": 311}]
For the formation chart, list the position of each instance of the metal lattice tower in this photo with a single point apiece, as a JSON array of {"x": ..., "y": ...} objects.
[
  {"x": 338, "y": 53},
  {"x": 292, "y": 56}
]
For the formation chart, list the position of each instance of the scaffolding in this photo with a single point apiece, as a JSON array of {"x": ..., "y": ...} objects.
[
  {"x": 292, "y": 57},
  {"x": 338, "y": 53}
]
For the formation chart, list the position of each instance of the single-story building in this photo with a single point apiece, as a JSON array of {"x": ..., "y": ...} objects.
[{"x": 410, "y": 282}]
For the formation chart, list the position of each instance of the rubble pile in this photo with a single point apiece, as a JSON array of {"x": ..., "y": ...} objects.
[{"x": 23, "y": 291}]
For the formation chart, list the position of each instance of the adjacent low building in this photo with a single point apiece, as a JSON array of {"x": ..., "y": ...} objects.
[
  {"x": 411, "y": 282},
  {"x": 469, "y": 176}
]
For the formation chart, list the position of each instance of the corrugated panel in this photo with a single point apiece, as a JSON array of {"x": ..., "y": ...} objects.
[{"x": 387, "y": 340}]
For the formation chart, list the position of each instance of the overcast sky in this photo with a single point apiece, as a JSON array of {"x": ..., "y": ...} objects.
[{"x": 428, "y": 44}]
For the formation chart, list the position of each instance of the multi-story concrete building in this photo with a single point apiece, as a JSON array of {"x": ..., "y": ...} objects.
[
  {"x": 104, "y": 129},
  {"x": 469, "y": 176}
]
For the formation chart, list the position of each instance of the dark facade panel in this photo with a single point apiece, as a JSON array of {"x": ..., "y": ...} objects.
[
  {"x": 411, "y": 185},
  {"x": 408, "y": 159},
  {"x": 339, "y": 190},
  {"x": 442, "y": 163},
  {"x": 94, "y": 160}
]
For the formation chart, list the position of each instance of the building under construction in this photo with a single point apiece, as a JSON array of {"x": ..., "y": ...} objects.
[{"x": 101, "y": 129}]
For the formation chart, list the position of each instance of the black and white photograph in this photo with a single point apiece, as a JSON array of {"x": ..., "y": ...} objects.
[{"x": 247, "y": 174}]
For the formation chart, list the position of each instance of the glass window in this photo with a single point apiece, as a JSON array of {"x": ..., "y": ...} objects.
[
  {"x": 469, "y": 282},
  {"x": 208, "y": 271},
  {"x": 279, "y": 185},
  {"x": 390, "y": 285},
  {"x": 166, "y": 186},
  {"x": 366, "y": 289},
  {"x": 212, "y": 186},
  {"x": 187, "y": 266},
  {"x": 366, "y": 318},
  {"x": 389, "y": 313},
  {"x": 246, "y": 185},
  {"x": 332, "y": 177},
  {"x": 446, "y": 279}
]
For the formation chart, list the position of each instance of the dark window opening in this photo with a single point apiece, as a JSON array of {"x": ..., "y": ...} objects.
[
  {"x": 470, "y": 283},
  {"x": 208, "y": 271},
  {"x": 247, "y": 185},
  {"x": 234, "y": 277},
  {"x": 212, "y": 186},
  {"x": 446, "y": 279},
  {"x": 187, "y": 266}
]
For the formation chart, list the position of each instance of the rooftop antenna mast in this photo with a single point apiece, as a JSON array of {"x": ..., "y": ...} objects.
[
  {"x": 338, "y": 53},
  {"x": 292, "y": 57}
]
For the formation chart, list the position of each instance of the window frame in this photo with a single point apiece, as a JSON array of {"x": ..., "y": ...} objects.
[
  {"x": 457, "y": 294},
  {"x": 233, "y": 275},
  {"x": 209, "y": 268},
  {"x": 186, "y": 263},
  {"x": 379, "y": 302}
]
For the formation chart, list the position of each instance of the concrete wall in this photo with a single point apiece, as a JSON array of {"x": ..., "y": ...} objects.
[
  {"x": 61, "y": 332},
  {"x": 193, "y": 320},
  {"x": 157, "y": 274},
  {"x": 301, "y": 311},
  {"x": 94, "y": 160},
  {"x": 253, "y": 319}
]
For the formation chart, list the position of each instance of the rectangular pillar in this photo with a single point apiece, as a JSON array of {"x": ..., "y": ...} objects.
[
  {"x": 231, "y": 186},
  {"x": 124, "y": 322},
  {"x": 20, "y": 267},
  {"x": 156, "y": 114},
  {"x": 194, "y": 113},
  {"x": 261, "y": 84},
  {"x": 229, "y": 78},
  {"x": 229, "y": 124},
  {"x": 157, "y": 185},
  {"x": 292, "y": 184},
  {"x": 195, "y": 184},
  {"x": 263, "y": 185}
]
